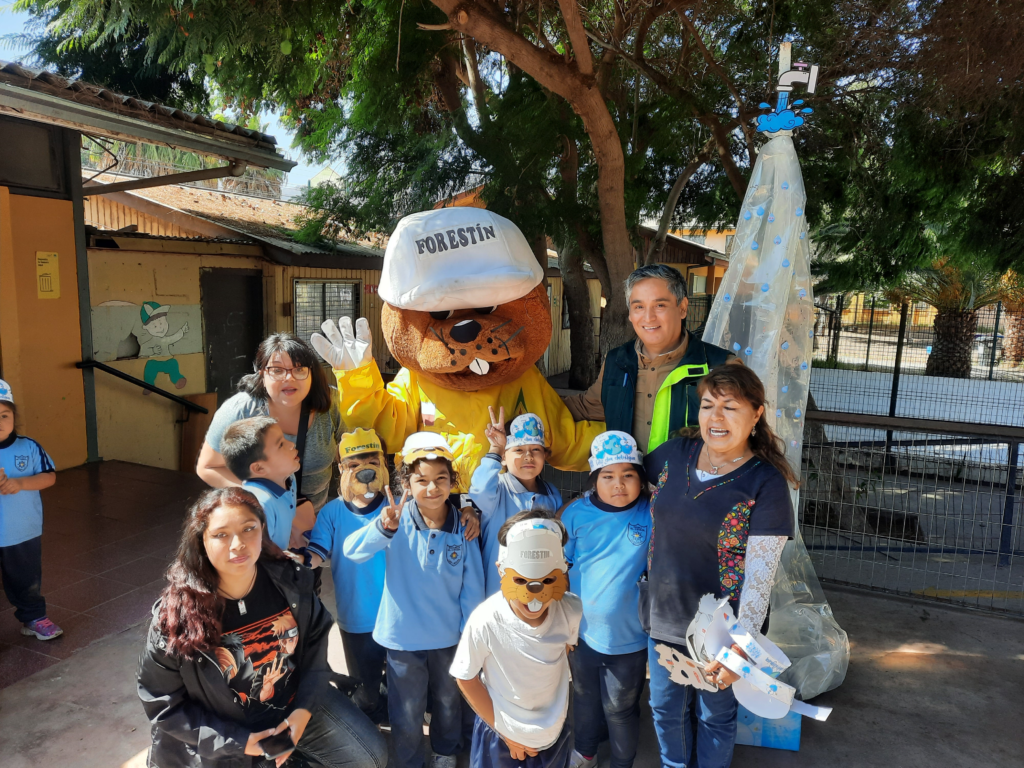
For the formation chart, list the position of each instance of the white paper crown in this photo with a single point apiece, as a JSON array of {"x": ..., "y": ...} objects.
[
  {"x": 526, "y": 429},
  {"x": 613, "y": 447},
  {"x": 5, "y": 392},
  {"x": 457, "y": 258}
]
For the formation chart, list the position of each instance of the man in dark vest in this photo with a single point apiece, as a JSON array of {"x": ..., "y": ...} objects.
[{"x": 647, "y": 387}]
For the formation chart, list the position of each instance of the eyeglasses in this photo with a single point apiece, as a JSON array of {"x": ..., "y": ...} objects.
[{"x": 276, "y": 373}]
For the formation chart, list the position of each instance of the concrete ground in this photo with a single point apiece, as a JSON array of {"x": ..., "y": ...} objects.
[{"x": 927, "y": 686}]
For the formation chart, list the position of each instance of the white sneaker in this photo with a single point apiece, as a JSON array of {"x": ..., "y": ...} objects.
[
  {"x": 576, "y": 760},
  {"x": 443, "y": 761}
]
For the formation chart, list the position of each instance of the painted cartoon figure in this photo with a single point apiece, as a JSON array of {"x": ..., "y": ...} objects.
[
  {"x": 154, "y": 323},
  {"x": 467, "y": 316}
]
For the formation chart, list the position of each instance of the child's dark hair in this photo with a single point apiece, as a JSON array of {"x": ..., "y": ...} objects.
[
  {"x": 405, "y": 471},
  {"x": 537, "y": 513},
  {"x": 645, "y": 488},
  {"x": 320, "y": 395},
  {"x": 242, "y": 444}
]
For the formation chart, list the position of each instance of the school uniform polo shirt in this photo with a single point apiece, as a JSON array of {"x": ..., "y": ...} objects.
[
  {"x": 499, "y": 496},
  {"x": 608, "y": 551},
  {"x": 21, "y": 514},
  {"x": 358, "y": 587},
  {"x": 433, "y": 579},
  {"x": 278, "y": 505}
]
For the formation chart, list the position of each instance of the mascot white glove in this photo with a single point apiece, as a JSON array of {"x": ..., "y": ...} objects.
[{"x": 341, "y": 348}]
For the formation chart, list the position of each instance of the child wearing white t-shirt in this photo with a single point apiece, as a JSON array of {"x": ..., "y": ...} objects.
[{"x": 511, "y": 663}]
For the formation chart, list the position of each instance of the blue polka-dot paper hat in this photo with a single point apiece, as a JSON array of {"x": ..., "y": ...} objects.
[
  {"x": 526, "y": 429},
  {"x": 614, "y": 447},
  {"x": 5, "y": 392}
]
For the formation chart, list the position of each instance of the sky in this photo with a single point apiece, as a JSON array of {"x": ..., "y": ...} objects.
[{"x": 11, "y": 22}]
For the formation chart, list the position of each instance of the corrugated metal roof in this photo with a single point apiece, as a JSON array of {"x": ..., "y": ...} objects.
[
  {"x": 97, "y": 95},
  {"x": 136, "y": 235}
]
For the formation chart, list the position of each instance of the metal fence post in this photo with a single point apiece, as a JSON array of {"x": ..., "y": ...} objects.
[
  {"x": 995, "y": 341},
  {"x": 1006, "y": 534},
  {"x": 895, "y": 392},
  {"x": 871, "y": 326}
]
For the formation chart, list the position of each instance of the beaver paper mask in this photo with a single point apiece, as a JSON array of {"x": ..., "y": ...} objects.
[{"x": 532, "y": 564}]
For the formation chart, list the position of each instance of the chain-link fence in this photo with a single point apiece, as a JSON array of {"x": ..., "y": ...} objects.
[{"x": 875, "y": 356}]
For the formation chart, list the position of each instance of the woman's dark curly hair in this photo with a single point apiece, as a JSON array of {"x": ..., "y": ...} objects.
[
  {"x": 190, "y": 608},
  {"x": 320, "y": 396}
]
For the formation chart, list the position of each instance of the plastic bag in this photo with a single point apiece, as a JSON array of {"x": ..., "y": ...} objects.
[{"x": 764, "y": 313}]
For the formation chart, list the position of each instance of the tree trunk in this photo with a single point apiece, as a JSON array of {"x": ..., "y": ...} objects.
[
  {"x": 1014, "y": 347},
  {"x": 954, "y": 340},
  {"x": 583, "y": 365}
]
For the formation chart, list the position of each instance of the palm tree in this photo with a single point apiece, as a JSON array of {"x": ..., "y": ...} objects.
[
  {"x": 1013, "y": 306},
  {"x": 957, "y": 292}
]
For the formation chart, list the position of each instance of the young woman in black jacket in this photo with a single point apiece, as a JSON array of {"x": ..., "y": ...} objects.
[{"x": 237, "y": 652}]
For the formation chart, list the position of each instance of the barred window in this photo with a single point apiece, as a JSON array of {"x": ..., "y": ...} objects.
[
  {"x": 565, "y": 311},
  {"x": 319, "y": 300}
]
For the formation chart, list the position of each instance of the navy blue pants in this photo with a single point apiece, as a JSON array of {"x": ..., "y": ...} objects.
[
  {"x": 410, "y": 675},
  {"x": 21, "y": 567},
  {"x": 607, "y": 690},
  {"x": 489, "y": 751},
  {"x": 367, "y": 661}
]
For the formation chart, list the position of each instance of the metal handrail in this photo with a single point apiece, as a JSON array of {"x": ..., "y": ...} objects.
[{"x": 140, "y": 383}]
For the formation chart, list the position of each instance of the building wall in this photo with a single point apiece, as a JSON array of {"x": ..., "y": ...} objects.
[
  {"x": 40, "y": 338},
  {"x": 106, "y": 214},
  {"x": 131, "y": 425}
]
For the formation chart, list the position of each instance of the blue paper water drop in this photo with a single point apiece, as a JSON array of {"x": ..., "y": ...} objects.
[
  {"x": 760, "y": 210},
  {"x": 727, "y": 297},
  {"x": 764, "y": 288},
  {"x": 746, "y": 215},
  {"x": 778, "y": 241},
  {"x": 928, "y": 349},
  {"x": 754, "y": 246},
  {"x": 803, "y": 366},
  {"x": 797, "y": 414},
  {"x": 771, "y": 217},
  {"x": 803, "y": 235},
  {"x": 810, "y": 334},
  {"x": 785, "y": 389},
  {"x": 799, "y": 212},
  {"x": 803, "y": 293},
  {"x": 748, "y": 351},
  {"x": 764, "y": 105},
  {"x": 778, "y": 413},
  {"x": 736, "y": 346},
  {"x": 793, "y": 443},
  {"x": 785, "y": 262},
  {"x": 785, "y": 345},
  {"x": 785, "y": 185}
]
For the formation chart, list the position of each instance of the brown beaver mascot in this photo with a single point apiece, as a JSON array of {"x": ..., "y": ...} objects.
[{"x": 467, "y": 316}]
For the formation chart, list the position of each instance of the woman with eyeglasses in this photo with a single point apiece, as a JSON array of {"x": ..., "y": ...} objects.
[{"x": 288, "y": 381}]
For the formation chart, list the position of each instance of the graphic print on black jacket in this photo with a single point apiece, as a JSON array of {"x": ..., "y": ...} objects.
[{"x": 198, "y": 721}]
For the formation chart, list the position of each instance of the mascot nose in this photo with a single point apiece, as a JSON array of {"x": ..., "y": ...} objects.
[
  {"x": 534, "y": 587},
  {"x": 365, "y": 475},
  {"x": 466, "y": 331}
]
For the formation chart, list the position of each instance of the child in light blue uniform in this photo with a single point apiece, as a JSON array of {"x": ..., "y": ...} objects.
[
  {"x": 358, "y": 587},
  {"x": 499, "y": 495},
  {"x": 609, "y": 529},
  {"x": 257, "y": 452},
  {"x": 25, "y": 469},
  {"x": 433, "y": 581}
]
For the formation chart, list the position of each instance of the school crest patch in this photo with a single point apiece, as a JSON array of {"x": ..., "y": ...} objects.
[
  {"x": 454, "y": 554},
  {"x": 637, "y": 534},
  {"x": 21, "y": 463}
]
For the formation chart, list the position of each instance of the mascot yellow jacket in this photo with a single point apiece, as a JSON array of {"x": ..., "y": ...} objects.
[{"x": 467, "y": 316}]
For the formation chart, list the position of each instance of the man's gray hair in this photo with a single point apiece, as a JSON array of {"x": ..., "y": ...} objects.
[{"x": 671, "y": 275}]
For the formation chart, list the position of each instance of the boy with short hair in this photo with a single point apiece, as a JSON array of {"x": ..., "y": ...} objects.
[
  {"x": 259, "y": 455},
  {"x": 499, "y": 496},
  {"x": 358, "y": 587},
  {"x": 512, "y": 663}
]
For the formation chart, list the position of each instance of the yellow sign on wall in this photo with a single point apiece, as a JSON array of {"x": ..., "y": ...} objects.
[{"x": 47, "y": 275}]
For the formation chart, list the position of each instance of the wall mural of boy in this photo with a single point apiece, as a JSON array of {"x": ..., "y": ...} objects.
[{"x": 155, "y": 342}]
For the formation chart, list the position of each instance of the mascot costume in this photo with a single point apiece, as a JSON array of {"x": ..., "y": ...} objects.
[{"x": 467, "y": 316}]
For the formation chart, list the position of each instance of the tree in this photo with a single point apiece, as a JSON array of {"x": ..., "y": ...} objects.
[{"x": 956, "y": 292}]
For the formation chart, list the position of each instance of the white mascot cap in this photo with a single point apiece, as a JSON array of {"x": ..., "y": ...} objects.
[
  {"x": 457, "y": 258},
  {"x": 533, "y": 549}
]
